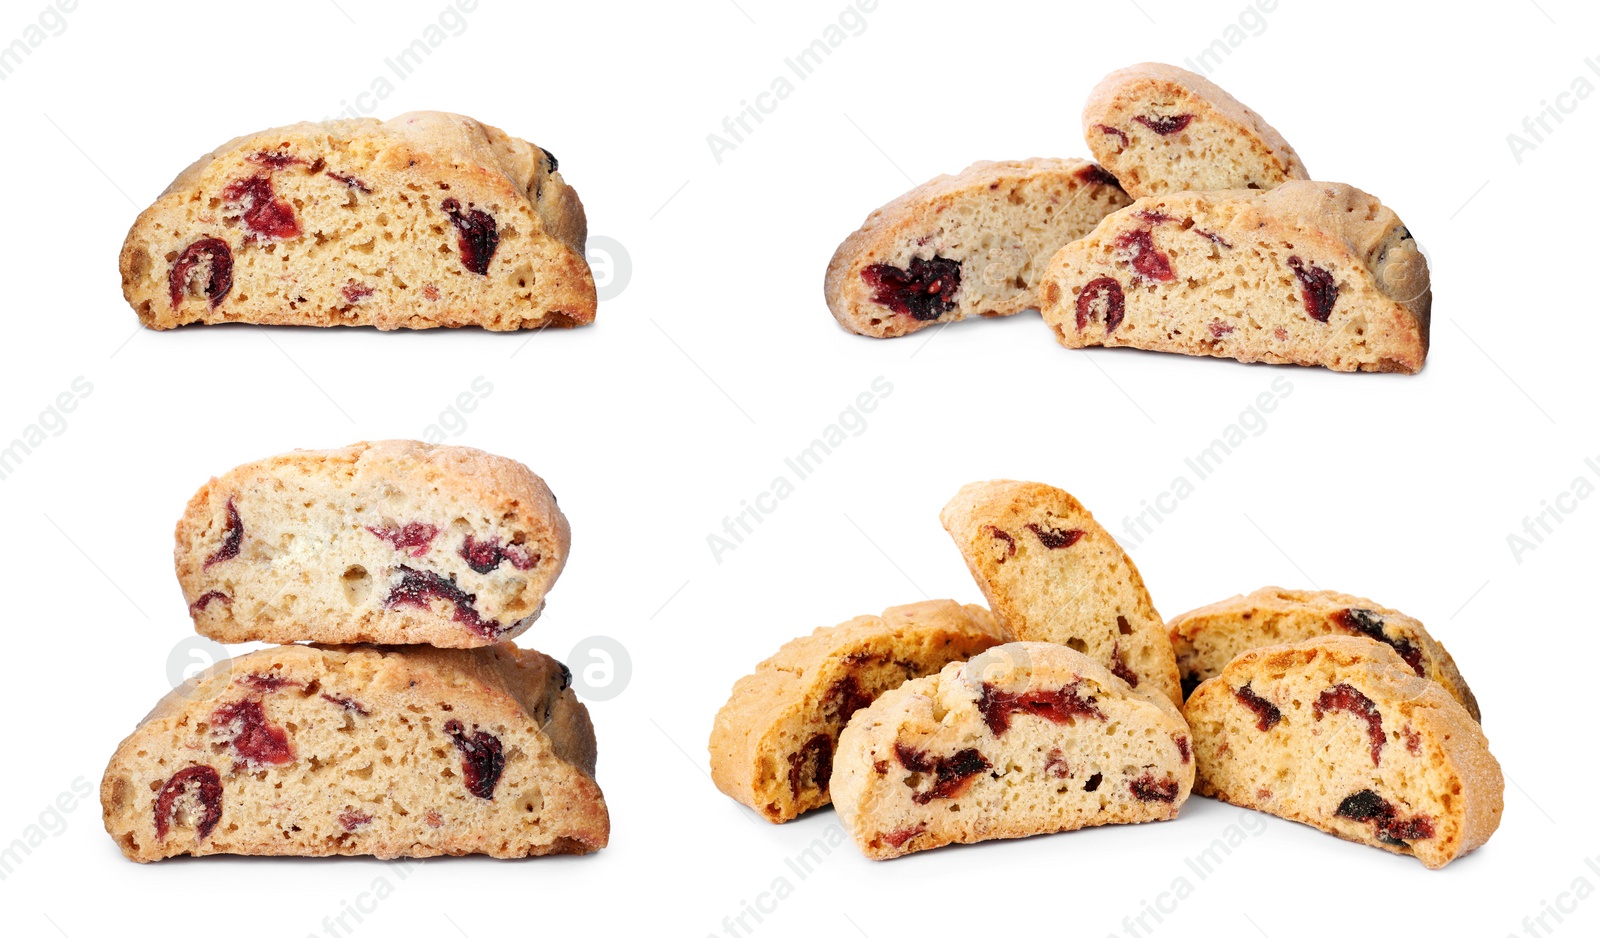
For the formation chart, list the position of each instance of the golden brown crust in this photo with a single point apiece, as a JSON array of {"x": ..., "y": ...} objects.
[
  {"x": 375, "y": 245},
  {"x": 367, "y": 761},
  {"x": 810, "y": 687}
]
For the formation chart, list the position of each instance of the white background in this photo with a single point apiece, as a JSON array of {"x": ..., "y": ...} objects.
[{"x": 718, "y": 359}]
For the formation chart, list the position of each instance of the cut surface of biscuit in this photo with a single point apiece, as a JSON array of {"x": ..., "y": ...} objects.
[
  {"x": 1162, "y": 129},
  {"x": 395, "y": 542},
  {"x": 1027, "y": 738},
  {"x": 1310, "y": 273},
  {"x": 309, "y": 750},
  {"x": 429, "y": 219},
  {"x": 773, "y": 744},
  {"x": 1339, "y": 733},
  {"x": 1206, "y": 639},
  {"x": 1051, "y": 573},
  {"x": 973, "y": 244}
]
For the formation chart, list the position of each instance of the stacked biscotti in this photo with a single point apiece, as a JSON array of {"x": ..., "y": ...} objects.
[
  {"x": 408, "y": 725},
  {"x": 1198, "y": 231},
  {"x": 1062, "y": 705}
]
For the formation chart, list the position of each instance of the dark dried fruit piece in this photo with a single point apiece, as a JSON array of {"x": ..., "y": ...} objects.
[
  {"x": 1219, "y": 329},
  {"x": 264, "y": 213},
  {"x": 232, "y": 536},
  {"x": 1182, "y": 743},
  {"x": 812, "y": 764},
  {"x": 355, "y": 292},
  {"x": 350, "y": 181},
  {"x": 1317, "y": 289},
  {"x": 483, "y": 556},
  {"x": 551, "y": 164},
  {"x": 1120, "y": 668},
  {"x": 1368, "y": 805},
  {"x": 1093, "y": 782},
  {"x": 1365, "y": 622},
  {"x": 1057, "y": 706},
  {"x": 1267, "y": 713},
  {"x": 844, "y": 698},
  {"x": 952, "y": 774},
  {"x": 1211, "y": 236},
  {"x": 218, "y": 258},
  {"x": 898, "y": 838},
  {"x": 1055, "y": 538},
  {"x": 1095, "y": 174},
  {"x": 207, "y": 598},
  {"x": 1166, "y": 125},
  {"x": 254, "y": 739},
  {"x": 1101, "y": 288},
  {"x": 999, "y": 535},
  {"x": 350, "y": 820},
  {"x": 274, "y": 159},
  {"x": 419, "y": 587},
  {"x": 482, "y": 758},
  {"x": 1147, "y": 262},
  {"x": 265, "y": 683},
  {"x": 346, "y": 703},
  {"x": 207, "y": 787},
  {"x": 1148, "y": 788},
  {"x": 925, "y": 290},
  {"x": 1347, "y": 698},
  {"x": 476, "y": 235},
  {"x": 414, "y": 537},
  {"x": 1112, "y": 131}
]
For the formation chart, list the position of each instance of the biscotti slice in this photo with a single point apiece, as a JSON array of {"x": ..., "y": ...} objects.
[
  {"x": 429, "y": 219},
  {"x": 310, "y": 750},
  {"x": 1052, "y": 574},
  {"x": 1338, "y": 733},
  {"x": 1310, "y": 273},
  {"x": 1027, "y": 738},
  {"x": 395, "y": 542},
  {"x": 973, "y": 244},
  {"x": 1206, "y": 639},
  {"x": 773, "y": 742},
  {"x": 1160, "y": 129}
]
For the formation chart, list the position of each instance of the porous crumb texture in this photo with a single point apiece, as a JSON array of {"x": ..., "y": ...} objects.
[
  {"x": 313, "y": 751},
  {"x": 1338, "y": 733},
  {"x": 1162, "y": 129},
  {"x": 426, "y": 220},
  {"x": 1051, "y": 573},
  {"x": 773, "y": 743},
  {"x": 394, "y": 542},
  {"x": 973, "y": 244},
  {"x": 1206, "y": 639},
  {"x": 1027, "y": 738},
  {"x": 1310, "y": 273}
]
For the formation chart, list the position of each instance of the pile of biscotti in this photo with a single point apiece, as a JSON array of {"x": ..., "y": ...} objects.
[
  {"x": 410, "y": 726},
  {"x": 1069, "y": 703},
  {"x": 1198, "y": 231}
]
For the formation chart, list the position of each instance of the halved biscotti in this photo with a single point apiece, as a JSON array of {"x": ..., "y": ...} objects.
[
  {"x": 1027, "y": 738},
  {"x": 1160, "y": 129},
  {"x": 972, "y": 244},
  {"x": 1310, "y": 273},
  {"x": 395, "y": 542},
  {"x": 1206, "y": 639},
  {"x": 773, "y": 743},
  {"x": 429, "y": 219},
  {"x": 1052, "y": 574},
  {"x": 1338, "y": 733},
  {"x": 309, "y": 750}
]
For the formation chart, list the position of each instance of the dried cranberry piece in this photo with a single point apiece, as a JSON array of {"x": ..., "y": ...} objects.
[
  {"x": 1347, "y": 698},
  {"x": 476, "y": 235},
  {"x": 1366, "y": 622},
  {"x": 898, "y": 838},
  {"x": 1153, "y": 218},
  {"x": 1147, "y": 788},
  {"x": 1093, "y": 782},
  {"x": 1055, "y": 538},
  {"x": 999, "y": 535},
  {"x": 1368, "y": 805},
  {"x": 1219, "y": 328},
  {"x": 232, "y": 535},
  {"x": 1113, "y": 132},
  {"x": 1095, "y": 174},
  {"x": 207, "y": 598},
  {"x": 1183, "y": 748},
  {"x": 350, "y": 820},
  {"x": 844, "y": 698},
  {"x": 274, "y": 159},
  {"x": 551, "y": 164},
  {"x": 817, "y": 756},
  {"x": 925, "y": 290},
  {"x": 1093, "y": 292},
  {"x": 254, "y": 739},
  {"x": 482, "y": 758},
  {"x": 1057, "y": 706},
  {"x": 264, "y": 213},
  {"x": 219, "y": 270},
  {"x": 265, "y": 683},
  {"x": 1211, "y": 236},
  {"x": 483, "y": 556},
  {"x": 350, "y": 181},
  {"x": 414, "y": 537},
  {"x": 207, "y": 789},
  {"x": 1317, "y": 289},
  {"x": 355, "y": 292},
  {"x": 346, "y": 703},
  {"x": 1120, "y": 668},
  {"x": 1147, "y": 262},
  {"x": 1166, "y": 125},
  {"x": 952, "y": 774},
  {"x": 1267, "y": 713},
  {"x": 418, "y": 587}
]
